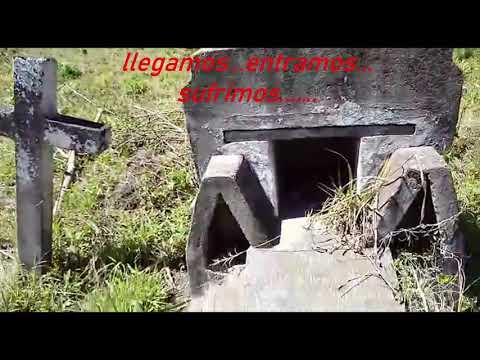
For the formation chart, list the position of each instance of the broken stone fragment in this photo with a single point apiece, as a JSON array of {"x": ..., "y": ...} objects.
[
  {"x": 259, "y": 155},
  {"x": 416, "y": 172},
  {"x": 395, "y": 197}
]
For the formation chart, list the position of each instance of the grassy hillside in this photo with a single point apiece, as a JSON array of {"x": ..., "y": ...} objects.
[
  {"x": 123, "y": 223},
  {"x": 120, "y": 235},
  {"x": 464, "y": 159}
]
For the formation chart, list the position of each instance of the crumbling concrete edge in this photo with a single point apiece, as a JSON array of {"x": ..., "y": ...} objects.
[{"x": 427, "y": 161}]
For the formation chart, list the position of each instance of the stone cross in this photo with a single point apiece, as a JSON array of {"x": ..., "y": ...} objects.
[{"x": 36, "y": 127}]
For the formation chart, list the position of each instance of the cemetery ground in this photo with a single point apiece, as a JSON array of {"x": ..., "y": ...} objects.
[
  {"x": 120, "y": 233},
  {"x": 121, "y": 228}
]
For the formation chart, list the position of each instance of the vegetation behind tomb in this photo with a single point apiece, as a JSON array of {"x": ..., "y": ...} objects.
[
  {"x": 120, "y": 234},
  {"x": 464, "y": 161}
]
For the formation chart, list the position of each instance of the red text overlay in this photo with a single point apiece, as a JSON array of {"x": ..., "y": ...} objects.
[{"x": 154, "y": 66}]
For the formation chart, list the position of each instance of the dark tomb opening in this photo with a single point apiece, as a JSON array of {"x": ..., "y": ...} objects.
[
  {"x": 420, "y": 212},
  {"x": 302, "y": 164},
  {"x": 225, "y": 237}
]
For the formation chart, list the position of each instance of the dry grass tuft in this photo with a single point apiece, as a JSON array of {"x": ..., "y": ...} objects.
[{"x": 423, "y": 286}]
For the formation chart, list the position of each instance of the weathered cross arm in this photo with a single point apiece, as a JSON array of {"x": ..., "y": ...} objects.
[
  {"x": 6, "y": 122},
  {"x": 66, "y": 132},
  {"x": 72, "y": 133}
]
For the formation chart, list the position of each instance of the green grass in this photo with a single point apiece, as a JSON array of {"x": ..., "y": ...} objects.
[
  {"x": 126, "y": 215},
  {"x": 68, "y": 72},
  {"x": 127, "y": 289},
  {"x": 114, "y": 288},
  {"x": 26, "y": 292},
  {"x": 464, "y": 160}
]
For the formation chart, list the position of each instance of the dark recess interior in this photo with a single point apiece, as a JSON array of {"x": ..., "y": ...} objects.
[
  {"x": 225, "y": 236},
  {"x": 302, "y": 164},
  {"x": 416, "y": 243}
]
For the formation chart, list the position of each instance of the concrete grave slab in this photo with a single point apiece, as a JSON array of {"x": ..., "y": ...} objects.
[{"x": 292, "y": 276}]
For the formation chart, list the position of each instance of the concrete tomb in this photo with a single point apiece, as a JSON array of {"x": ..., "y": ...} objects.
[{"x": 260, "y": 163}]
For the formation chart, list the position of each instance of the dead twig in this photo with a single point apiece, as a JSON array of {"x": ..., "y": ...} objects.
[
  {"x": 422, "y": 293},
  {"x": 424, "y": 187},
  {"x": 4, "y": 253},
  {"x": 67, "y": 179},
  {"x": 87, "y": 99},
  {"x": 360, "y": 279},
  {"x": 228, "y": 259},
  {"x": 380, "y": 274},
  {"x": 168, "y": 274}
]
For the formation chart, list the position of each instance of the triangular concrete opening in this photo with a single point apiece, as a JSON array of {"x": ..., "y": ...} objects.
[
  {"x": 420, "y": 212},
  {"x": 225, "y": 237}
]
